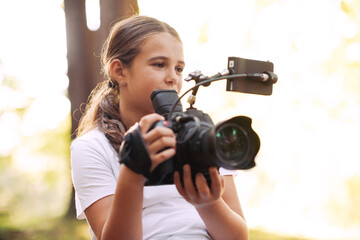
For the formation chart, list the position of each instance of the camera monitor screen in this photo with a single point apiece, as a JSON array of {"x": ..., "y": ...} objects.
[{"x": 243, "y": 66}]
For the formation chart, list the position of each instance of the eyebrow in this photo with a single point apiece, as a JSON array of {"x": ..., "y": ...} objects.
[{"x": 164, "y": 58}]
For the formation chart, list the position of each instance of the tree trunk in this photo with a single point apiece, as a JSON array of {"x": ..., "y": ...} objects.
[{"x": 83, "y": 54}]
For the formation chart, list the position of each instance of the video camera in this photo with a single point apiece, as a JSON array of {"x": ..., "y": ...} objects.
[{"x": 231, "y": 144}]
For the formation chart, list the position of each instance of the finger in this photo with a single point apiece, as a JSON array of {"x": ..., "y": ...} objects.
[
  {"x": 202, "y": 186},
  {"x": 216, "y": 184},
  {"x": 157, "y": 133},
  {"x": 161, "y": 157},
  {"x": 161, "y": 144},
  {"x": 178, "y": 184},
  {"x": 148, "y": 120},
  {"x": 188, "y": 182}
]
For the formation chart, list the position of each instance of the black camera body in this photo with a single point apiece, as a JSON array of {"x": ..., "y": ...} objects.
[{"x": 231, "y": 144}]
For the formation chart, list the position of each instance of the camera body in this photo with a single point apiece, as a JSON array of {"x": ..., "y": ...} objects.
[{"x": 231, "y": 144}]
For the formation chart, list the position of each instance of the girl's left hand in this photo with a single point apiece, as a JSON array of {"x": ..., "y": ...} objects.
[{"x": 203, "y": 195}]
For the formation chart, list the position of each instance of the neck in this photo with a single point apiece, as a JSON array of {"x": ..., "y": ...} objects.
[
  {"x": 132, "y": 111},
  {"x": 128, "y": 117}
]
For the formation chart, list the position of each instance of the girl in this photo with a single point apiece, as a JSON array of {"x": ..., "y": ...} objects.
[{"x": 140, "y": 55}]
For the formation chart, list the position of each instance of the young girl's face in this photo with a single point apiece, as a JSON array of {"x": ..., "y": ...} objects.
[{"x": 158, "y": 66}]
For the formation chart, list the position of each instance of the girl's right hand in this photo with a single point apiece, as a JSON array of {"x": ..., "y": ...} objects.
[{"x": 160, "y": 141}]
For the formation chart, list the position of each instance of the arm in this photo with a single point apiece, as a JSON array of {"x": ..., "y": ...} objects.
[
  {"x": 224, "y": 218},
  {"x": 119, "y": 216},
  {"x": 218, "y": 206}
]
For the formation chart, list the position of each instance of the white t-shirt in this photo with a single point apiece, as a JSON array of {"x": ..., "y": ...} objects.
[{"x": 166, "y": 214}]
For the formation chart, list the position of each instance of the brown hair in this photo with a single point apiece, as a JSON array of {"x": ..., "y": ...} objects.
[{"x": 124, "y": 43}]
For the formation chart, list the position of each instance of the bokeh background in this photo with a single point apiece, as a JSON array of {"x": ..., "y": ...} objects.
[{"x": 306, "y": 184}]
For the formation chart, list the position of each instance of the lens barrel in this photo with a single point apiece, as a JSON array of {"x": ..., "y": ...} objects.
[{"x": 234, "y": 143}]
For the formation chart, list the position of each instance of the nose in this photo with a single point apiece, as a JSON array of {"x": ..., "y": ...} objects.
[{"x": 172, "y": 77}]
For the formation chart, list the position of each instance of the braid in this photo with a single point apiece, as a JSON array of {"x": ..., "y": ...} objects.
[
  {"x": 102, "y": 111},
  {"x": 109, "y": 119}
]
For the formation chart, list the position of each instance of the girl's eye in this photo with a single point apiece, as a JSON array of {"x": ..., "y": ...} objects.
[
  {"x": 179, "y": 69},
  {"x": 159, "y": 65}
]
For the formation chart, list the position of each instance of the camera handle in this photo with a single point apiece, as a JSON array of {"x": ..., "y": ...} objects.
[{"x": 198, "y": 77}]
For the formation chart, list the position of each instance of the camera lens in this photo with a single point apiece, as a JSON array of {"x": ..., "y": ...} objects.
[{"x": 231, "y": 142}]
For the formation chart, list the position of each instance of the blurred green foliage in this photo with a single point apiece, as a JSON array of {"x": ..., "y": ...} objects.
[
  {"x": 60, "y": 229},
  {"x": 29, "y": 198},
  {"x": 35, "y": 183}
]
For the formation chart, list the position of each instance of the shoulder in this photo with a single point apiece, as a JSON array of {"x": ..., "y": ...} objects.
[
  {"x": 95, "y": 136},
  {"x": 93, "y": 139},
  {"x": 92, "y": 146}
]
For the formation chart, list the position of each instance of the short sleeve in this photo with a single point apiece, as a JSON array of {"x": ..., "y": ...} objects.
[
  {"x": 224, "y": 171},
  {"x": 92, "y": 174}
]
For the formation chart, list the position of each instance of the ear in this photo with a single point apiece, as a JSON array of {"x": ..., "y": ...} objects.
[{"x": 117, "y": 70}]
